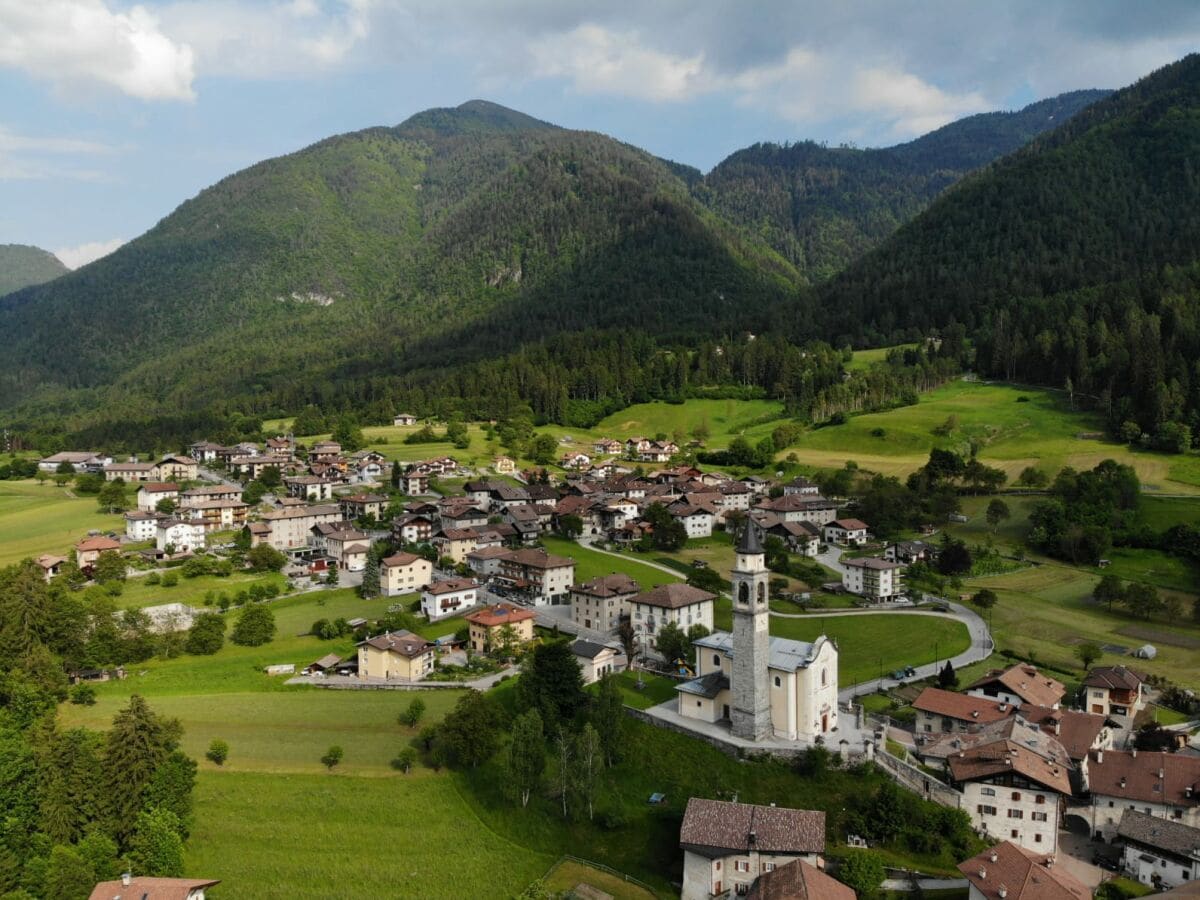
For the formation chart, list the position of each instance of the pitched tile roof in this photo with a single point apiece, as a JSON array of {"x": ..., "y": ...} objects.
[
  {"x": 1076, "y": 731},
  {"x": 615, "y": 585},
  {"x": 1026, "y": 682},
  {"x": 402, "y": 642},
  {"x": 539, "y": 559},
  {"x": 1118, "y": 677},
  {"x": 1134, "y": 775},
  {"x": 399, "y": 559},
  {"x": 500, "y": 614},
  {"x": 1003, "y": 756},
  {"x": 1009, "y": 871},
  {"x": 716, "y": 825},
  {"x": 98, "y": 543},
  {"x": 144, "y": 888},
  {"x": 451, "y": 586},
  {"x": 673, "y": 596},
  {"x": 798, "y": 881},
  {"x": 850, "y": 524},
  {"x": 589, "y": 649},
  {"x": 961, "y": 707}
]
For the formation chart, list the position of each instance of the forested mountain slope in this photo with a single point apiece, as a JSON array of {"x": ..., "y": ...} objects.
[
  {"x": 1072, "y": 259},
  {"x": 22, "y": 265},
  {"x": 823, "y": 207}
]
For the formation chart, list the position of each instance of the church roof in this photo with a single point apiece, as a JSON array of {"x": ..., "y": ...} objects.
[
  {"x": 784, "y": 654},
  {"x": 750, "y": 542}
]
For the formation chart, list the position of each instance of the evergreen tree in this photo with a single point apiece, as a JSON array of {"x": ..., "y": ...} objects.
[
  {"x": 609, "y": 717},
  {"x": 551, "y": 683},
  {"x": 138, "y": 743},
  {"x": 171, "y": 789}
]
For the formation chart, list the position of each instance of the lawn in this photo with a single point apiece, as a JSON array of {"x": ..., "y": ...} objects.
[
  {"x": 864, "y": 359},
  {"x": 656, "y": 689},
  {"x": 332, "y": 835},
  {"x": 591, "y": 563},
  {"x": 869, "y": 641},
  {"x": 136, "y": 593},
  {"x": 569, "y": 874},
  {"x": 43, "y": 518},
  {"x": 1046, "y": 611},
  {"x": 1043, "y": 431}
]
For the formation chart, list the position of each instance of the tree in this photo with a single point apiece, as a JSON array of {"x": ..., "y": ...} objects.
[
  {"x": 348, "y": 433},
  {"x": 265, "y": 558},
  {"x": 370, "y": 586},
  {"x": 171, "y": 788},
  {"x": 672, "y": 643},
  {"x": 218, "y": 752},
  {"x": 570, "y": 526},
  {"x": 470, "y": 733},
  {"x": 405, "y": 760},
  {"x": 112, "y": 497},
  {"x": 1172, "y": 607},
  {"x": 668, "y": 532},
  {"x": 552, "y": 683},
  {"x": 255, "y": 626},
  {"x": 109, "y": 568},
  {"x": 1032, "y": 477},
  {"x": 564, "y": 745},
  {"x": 395, "y": 475},
  {"x": 985, "y": 598},
  {"x": 1087, "y": 653},
  {"x": 863, "y": 871},
  {"x": 1109, "y": 590},
  {"x": 997, "y": 512},
  {"x": 628, "y": 638},
  {"x": 947, "y": 677},
  {"x": 136, "y": 745},
  {"x": 332, "y": 757},
  {"x": 954, "y": 558},
  {"x": 543, "y": 449},
  {"x": 1142, "y": 599},
  {"x": 608, "y": 716},
  {"x": 707, "y": 579},
  {"x": 588, "y": 758},
  {"x": 68, "y": 875},
  {"x": 207, "y": 634},
  {"x": 507, "y": 640},
  {"x": 156, "y": 847},
  {"x": 526, "y": 754},
  {"x": 270, "y": 478},
  {"x": 412, "y": 715}
]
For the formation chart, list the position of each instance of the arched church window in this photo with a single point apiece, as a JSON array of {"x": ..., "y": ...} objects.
[
  {"x": 762, "y": 593},
  {"x": 824, "y": 677},
  {"x": 743, "y": 593}
]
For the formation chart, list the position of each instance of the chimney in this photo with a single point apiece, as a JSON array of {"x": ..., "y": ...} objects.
[
  {"x": 1133, "y": 752},
  {"x": 126, "y": 877},
  {"x": 1122, "y": 781},
  {"x": 983, "y": 874},
  {"x": 1160, "y": 774},
  {"x": 1049, "y": 861},
  {"x": 1100, "y": 755},
  {"x": 994, "y": 856},
  {"x": 1002, "y": 892}
]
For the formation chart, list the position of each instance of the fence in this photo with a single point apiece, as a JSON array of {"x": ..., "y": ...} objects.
[{"x": 566, "y": 857}]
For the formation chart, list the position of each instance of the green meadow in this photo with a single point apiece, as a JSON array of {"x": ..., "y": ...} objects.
[
  {"x": 591, "y": 563},
  {"x": 44, "y": 518},
  {"x": 136, "y": 592}
]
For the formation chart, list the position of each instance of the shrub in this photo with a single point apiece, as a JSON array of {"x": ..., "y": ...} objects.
[
  {"x": 170, "y": 579},
  {"x": 218, "y": 752},
  {"x": 412, "y": 715},
  {"x": 255, "y": 626},
  {"x": 405, "y": 759},
  {"x": 153, "y": 578},
  {"x": 332, "y": 757},
  {"x": 83, "y": 695}
]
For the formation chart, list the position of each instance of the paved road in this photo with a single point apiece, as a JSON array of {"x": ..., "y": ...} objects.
[{"x": 831, "y": 559}]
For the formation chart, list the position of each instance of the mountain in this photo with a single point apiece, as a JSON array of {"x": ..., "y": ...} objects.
[
  {"x": 333, "y": 271},
  {"x": 822, "y": 207},
  {"x": 22, "y": 265},
  {"x": 1073, "y": 261}
]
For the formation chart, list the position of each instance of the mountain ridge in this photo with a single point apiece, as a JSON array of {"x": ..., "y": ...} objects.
[{"x": 23, "y": 265}]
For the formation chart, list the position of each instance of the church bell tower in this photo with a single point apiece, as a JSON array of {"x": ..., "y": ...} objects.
[{"x": 751, "y": 713}]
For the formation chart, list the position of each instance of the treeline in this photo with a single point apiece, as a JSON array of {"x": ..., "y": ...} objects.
[{"x": 79, "y": 806}]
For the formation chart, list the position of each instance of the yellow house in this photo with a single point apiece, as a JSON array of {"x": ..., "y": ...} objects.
[
  {"x": 486, "y": 624},
  {"x": 404, "y": 573},
  {"x": 88, "y": 550},
  {"x": 395, "y": 656}
]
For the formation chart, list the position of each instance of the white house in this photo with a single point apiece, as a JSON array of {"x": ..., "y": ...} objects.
[
  {"x": 1115, "y": 691},
  {"x": 78, "y": 460},
  {"x": 597, "y": 660},
  {"x": 727, "y": 846},
  {"x": 1163, "y": 785},
  {"x": 449, "y": 597},
  {"x": 142, "y": 526},
  {"x": 180, "y": 536},
  {"x": 873, "y": 578},
  {"x": 676, "y": 604},
  {"x": 404, "y": 419},
  {"x": 404, "y": 573},
  {"x": 1158, "y": 852},
  {"x": 151, "y": 493},
  {"x": 846, "y": 532},
  {"x": 696, "y": 520}
]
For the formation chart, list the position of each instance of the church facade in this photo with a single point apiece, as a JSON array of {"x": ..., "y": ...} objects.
[{"x": 763, "y": 686}]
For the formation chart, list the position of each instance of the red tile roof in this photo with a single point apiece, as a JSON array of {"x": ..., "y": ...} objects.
[
  {"x": 1118, "y": 677},
  {"x": 798, "y": 880},
  {"x": 1009, "y": 871},
  {"x": 673, "y": 596},
  {"x": 961, "y": 707},
  {"x": 144, "y": 888},
  {"x": 1026, "y": 682},
  {"x": 500, "y": 614},
  {"x": 1134, "y": 775},
  {"x": 1003, "y": 756},
  {"x": 717, "y": 825},
  {"x": 98, "y": 543}
]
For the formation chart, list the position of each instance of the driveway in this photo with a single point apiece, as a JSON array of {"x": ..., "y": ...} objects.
[{"x": 832, "y": 559}]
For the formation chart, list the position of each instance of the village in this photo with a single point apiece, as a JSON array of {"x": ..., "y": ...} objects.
[{"x": 1063, "y": 787}]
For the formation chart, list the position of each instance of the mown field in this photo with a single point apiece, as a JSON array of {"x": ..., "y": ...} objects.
[
  {"x": 591, "y": 563},
  {"x": 137, "y": 592},
  {"x": 44, "y": 518}
]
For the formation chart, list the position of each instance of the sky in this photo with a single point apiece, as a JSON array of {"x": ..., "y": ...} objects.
[{"x": 114, "y": 113}]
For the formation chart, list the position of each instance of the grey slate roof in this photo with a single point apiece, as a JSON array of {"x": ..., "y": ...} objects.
[
  {"x": 785, "y": 653},
  {"x": 1161, "y": 834}
]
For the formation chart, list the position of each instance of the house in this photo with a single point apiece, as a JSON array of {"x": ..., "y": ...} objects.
[
  {"x": 89, "y": 549},
  {"x": 458, "y": 515},
  {"x": 363, "y": 506},
  {"x": 597, "y": 660},
  {"x": 325, "y": 451},
  {"x": 945, "y": 711},
  {"x": 600, "y": 603},
  {"x": 207, "y": 492},
  {"x": 282, "y": 445},
  {"x": 486, "y": 627},
  {"x": 395, "y": 656},
  {"x": 414, "y": 483},
  {"x": 727, "y": 846},
  {"x": 539, "y": 575},
  {"x": 309, "y": 487},
  {"x": 846, "y": 532},
  {"x": 1013, "y": 792},
  {"x": 504, "y": 465},
  {"x": 1164, "y": 785},
  {"x": 935, "y": 750},
  {"x": 800, "y": 508},
  {"x": 873, "y": 578},
  {"x": 348, "y": 548},
  {"x": 485, "y": 561},
  {"x": 146, "y": 888},
  {"x": 251, "y": 467},
  {"x": 1114, "y": 691},
  {"x": 1078, "y": 732},
  {"x": 651, "y": 451},
  {"x": 404, "y": 419},
  {"x": 1019, "y": 684},
  {"x": 178, "y": 468},
  {"x": 1159, "y": 852},
  {"x": 449, "y": 597},
  {"x": 798, "y": 881},
  {"x": 607, "y": 447},
  {"x": 575, "y": 460},
  {"x": 151, "y": 493},
  {"x": 215, "y": 515},
  {"x": 50, "y": 565},
  {"x": 289, "y": 528},
  {"x": 413, "y": 528},
  {"x": 179, "y": 536},
  {"x": 205, "y": 451},
  {"x": 142, "y": 526},
  {"x": 909, "y": 552},
  {"x": 527, "y": 520},
  {"x": 454, "y": 543},
  {"x": 78, "y": 460},
  {"x": 404, "y": 573},
  {"x": 131, "y": 471},
  {"x": 367, "y": 472},
  {"x": 1009, "y": 872},
  {"x": 326, "y": 663},
  {"x": 801, "y": 537},
  {"x": 803, "y": 487},
  {"x": 734, "y": 496},
  {"x": 697, "y": 520},
  {"x": 674, "y": 603}
]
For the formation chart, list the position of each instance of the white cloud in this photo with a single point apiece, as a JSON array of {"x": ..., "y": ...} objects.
[
  {"x": 270, "y": 39},
  {"x": 598, "y": 61},
  {"x": 23, "y": 157},
  {"x": 68, "y": 42},
  {"x": 74, "y": 257}
]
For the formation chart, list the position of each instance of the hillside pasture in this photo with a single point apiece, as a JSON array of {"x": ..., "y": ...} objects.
[
  {"x": 591, "y": 564},
  {"x": 44, "y": 518}
]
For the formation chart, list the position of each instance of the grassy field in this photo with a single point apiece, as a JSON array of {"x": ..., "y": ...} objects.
[
  {"x": 1043, "y": 431},
  {"x": 591, "y": 563},
  {"x": 43, "y": 518},
  {"x": 870, "y": 641},
  {"x": 864, "y": 359},
  {"x": 569, "y": 874},
  {"x": 137, "y": 593}
]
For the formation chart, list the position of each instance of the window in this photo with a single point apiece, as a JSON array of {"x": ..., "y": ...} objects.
[
  {"x": 742, "y": 865},
  {"x": 1015, "y": 834},
  {"x": 718, "y": 865},
  {"x": 777, "y": 681},
  {"x": 1016, "y": 814},
  {"x": 1041, "y": 798},
  {"x": 988, "y": 792},
  {"x": 1016, "y": 795},
  {"x": 716, "y": 659},
  {"x": 768, "y": 867},
  {"x": 824, "y": 677},
  {"x": 987, "y": 810},
  {"x": 1037, "y": 838},
  {"x": 1038, "y": 817}
]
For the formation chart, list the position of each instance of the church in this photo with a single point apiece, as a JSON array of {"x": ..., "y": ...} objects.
[{"x": 763, "y": 687}]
